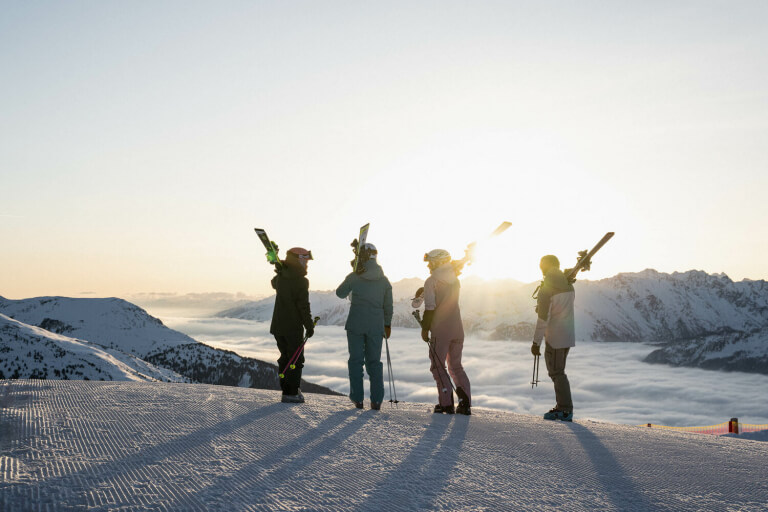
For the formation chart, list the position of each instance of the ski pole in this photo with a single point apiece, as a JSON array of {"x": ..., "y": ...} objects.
[
  {"x": 391, "y": 378},
  {"x": 433, "y": 355},
  {"x": 292, "y": 361},
  {"x": 535, "y": 378},
  {"x": 436, "y": 361}
]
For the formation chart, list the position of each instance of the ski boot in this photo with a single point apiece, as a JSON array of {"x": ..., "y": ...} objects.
[
  {"x": 464, "y": 403},
  {"x": 556, "y": 414},
  {"x": 298, "y": 398},
  {"x": 376, "y": 406},
  {"x": 359, "y": 405},
  {"x": 444, "y": 409},
  {"x": 463, "y": 409}
]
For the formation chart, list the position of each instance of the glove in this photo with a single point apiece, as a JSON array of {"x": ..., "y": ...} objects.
[
  {"x": 535, "y": 349},
  {"x": 387, "y": 331},
  {"x": 425, "y": 334},
  {"x": 310, "y": 332}
]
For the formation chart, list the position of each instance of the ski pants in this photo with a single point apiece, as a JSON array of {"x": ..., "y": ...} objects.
[
  {"x": 288, "y": 346},
  {"x": 555, "y": 359},
  {"x": 450, "y": 351},
  {"x": 365, "y": 349}
]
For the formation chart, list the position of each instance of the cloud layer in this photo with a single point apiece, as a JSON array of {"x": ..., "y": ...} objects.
[{"x": 609, "y": 380}]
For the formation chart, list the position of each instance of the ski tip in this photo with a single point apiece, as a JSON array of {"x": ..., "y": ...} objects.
[{"x": 502, "y": 228}]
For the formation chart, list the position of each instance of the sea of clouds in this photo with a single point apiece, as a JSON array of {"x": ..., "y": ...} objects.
[{"x": 609, "y": 381}]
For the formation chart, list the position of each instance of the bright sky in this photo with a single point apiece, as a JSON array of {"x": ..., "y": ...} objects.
[{"x": 141, "y": 142}]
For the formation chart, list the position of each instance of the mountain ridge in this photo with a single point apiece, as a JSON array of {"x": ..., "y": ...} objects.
[
  {"x": 125, "y": 338},
  {"x": 647, "y": 306}
]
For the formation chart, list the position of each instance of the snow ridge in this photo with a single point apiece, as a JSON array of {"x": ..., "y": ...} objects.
[
  {"x": 39, "y": 354},
  {"x": 110, "y": 322},
  {"x": 122, "y": 340}
]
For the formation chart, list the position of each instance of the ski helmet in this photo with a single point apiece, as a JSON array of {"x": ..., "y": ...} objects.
[
  {"x": 550, "y": 260},
  {"x": 369, "y": 251},
  {"x": 300, "y": 254},
  {"x": 437, "y": 257}
]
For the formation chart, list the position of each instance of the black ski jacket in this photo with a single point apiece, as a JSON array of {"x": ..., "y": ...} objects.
[{"x": 291, "y": 314}]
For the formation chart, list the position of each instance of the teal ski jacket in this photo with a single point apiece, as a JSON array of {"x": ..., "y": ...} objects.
[{"x": 371, "y": 297}]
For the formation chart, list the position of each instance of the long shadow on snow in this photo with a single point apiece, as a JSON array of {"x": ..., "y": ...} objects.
[
  {"x": 278, "y": 469},
  {"x": 618, "y": 486},
  {"x": 93, "y": 476},
  {"x": 428, "y": 466}
]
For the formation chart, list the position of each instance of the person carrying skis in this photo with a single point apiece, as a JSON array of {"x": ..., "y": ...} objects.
[
  {"x": 290, "y": 318},
  {"x": 370, "y": 319},
  {"x": 555, "y": 324},
  {"x": 442, "y": 318}
]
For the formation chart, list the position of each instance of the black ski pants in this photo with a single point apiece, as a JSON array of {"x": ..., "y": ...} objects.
[
  {"x": 555, "y": 359},
  {"x": 288, "y": 346}
]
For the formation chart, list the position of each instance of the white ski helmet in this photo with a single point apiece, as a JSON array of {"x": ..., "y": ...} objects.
[
  {"x": 437, "y": 257},
  {"x": 370, "y": 250}
]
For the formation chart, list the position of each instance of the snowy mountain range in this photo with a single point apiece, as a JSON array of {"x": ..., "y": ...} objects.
[
  {"x": 112, "y": 339},
  {"x": 698, "y": 319}
]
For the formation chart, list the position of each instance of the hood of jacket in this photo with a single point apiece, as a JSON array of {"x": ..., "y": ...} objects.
[
  {"x": 445, "y": 274},
  {"x": 372, "y": 272},
  {"x": 292, "y": 269},
  {"x": 557, "y": 280}
]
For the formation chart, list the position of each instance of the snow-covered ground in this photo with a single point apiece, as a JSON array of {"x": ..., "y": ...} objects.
[
  {"x": 70, "y": 445},
  {"x": 609, "y": 380}
]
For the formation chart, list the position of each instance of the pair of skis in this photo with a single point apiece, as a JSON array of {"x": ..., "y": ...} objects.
[
  {"x": 357, "y": 247},
  {"x": 469, "y": 252}
]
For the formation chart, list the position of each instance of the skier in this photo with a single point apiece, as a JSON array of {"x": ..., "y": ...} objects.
[
  {"x": 370, "y": 319},
  {"x": 443, "y": 318},
  {"x": 291, "y": 317},
  {"x": 555, "y": 324}
]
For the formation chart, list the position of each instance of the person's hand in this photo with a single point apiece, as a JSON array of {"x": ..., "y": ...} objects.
[
  {"x": 535, "y": 349},
  {"x": 425, "y": 334},
  {"x": 310, "y": 332},
  {"x": 387, "y": 331}
]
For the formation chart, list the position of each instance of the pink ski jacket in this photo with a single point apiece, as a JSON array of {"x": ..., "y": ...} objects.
[{"x": 441, "y": 295}]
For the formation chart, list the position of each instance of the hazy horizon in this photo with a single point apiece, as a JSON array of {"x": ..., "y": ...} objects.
[{"x": 153, "y": 297}]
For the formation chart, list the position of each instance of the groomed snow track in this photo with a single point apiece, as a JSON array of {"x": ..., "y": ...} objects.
[{"x": 68, "y": 445}]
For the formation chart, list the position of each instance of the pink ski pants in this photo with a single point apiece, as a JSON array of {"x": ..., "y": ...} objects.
[{"x": 450, "y": 351}]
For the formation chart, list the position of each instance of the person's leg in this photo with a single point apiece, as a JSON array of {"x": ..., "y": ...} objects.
[
  {"x": 356, "y": 345},
  {"x": 292, "y": 379},
  {"x": 437, "y": 357},
  {"x": 282, "y": 361},
  {"x": 555, "y": 359},
  {"x": 456, "y": 369},
  {"x": 374, "y": 367}
]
